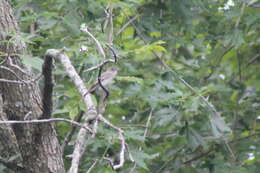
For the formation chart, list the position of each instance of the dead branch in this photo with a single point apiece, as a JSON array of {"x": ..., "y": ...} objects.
[
  {"x": 47, "y": 121},
  {"x": 48, "y": 87},
  {"x": 99, "y": 65},
  {"x": 84, "y": 28},
  {"x": 80, "y": 143},
  {"x": 121, "y": 138}
]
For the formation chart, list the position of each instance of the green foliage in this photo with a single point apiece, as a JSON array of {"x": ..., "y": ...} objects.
[{"x": 216, "y": 51}]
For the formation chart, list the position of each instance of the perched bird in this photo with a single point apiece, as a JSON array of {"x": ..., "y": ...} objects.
[{"x": 105, "y": 78}]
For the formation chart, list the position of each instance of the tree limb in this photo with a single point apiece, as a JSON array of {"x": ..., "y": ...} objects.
[
  {"x": 80, "y": 143},
  {"x": 46, "y": 121}
]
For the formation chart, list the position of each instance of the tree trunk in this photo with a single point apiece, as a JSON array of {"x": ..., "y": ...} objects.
[{"x": 35, "y": 147}]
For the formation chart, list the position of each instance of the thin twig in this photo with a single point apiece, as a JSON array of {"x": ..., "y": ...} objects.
[
  {"x": 71, "y": 132},
  {"x": 218, "y": 62},
  {"x": 101, "y": 118},
  {"x": 253, "y": 59},
  {"x": 126, "y": 25},
  {"x": 99, "y": 65},
  {"x": 111, "y": 31},
  {"x": 121, "y": 138},
  {"x": 27, "y": 116},
  {"x": 84, "y": 28},
  {"x": 95, "y": 127},
  {"x": 47, "y": 121},
  {"x": 244, "y": 137},
  {"x": 122, "y": 152},
  {"x": 92, "y": 166},
  {"x": 170, "y": 160},
  {"x": 241, "y": 14},
  {"x": 145, "y": 134},
  {"x": 148, "y": 123},
  {"x": 230, "y": 150},
  {"x": 199, "y": 156},
  {"x": 106, "y": 20}
]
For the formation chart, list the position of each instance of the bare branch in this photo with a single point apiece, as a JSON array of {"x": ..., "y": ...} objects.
[
  {"x": 148, "y": 123},
  {"x": 84, "y": 28},
  {"x": 101, "y": 118},
  {"x": 122, "y": 152},
  {"x": 92, "y": 166},
  {"x": 47, "y": 121},
  {"x": 106, "y": 20},
  {"x": 80, "y": 143},
  {"x": 253, "y": 59},
  {"x": 103, "y": 63},
  {"x": 95, "y": 127},
  {"x": 145, "y": 134},
  {"x": 78, "y": 82},
  {"x": 99, "y": 65},
  {"x": 121, "y": 138},
  {"x": 111, "y": 29}
]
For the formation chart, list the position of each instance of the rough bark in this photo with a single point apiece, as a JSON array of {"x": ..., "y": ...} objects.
[{"x": 35, "y": 145}]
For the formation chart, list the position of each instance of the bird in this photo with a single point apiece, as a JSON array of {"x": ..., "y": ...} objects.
[{"x": 105, "y": 78}]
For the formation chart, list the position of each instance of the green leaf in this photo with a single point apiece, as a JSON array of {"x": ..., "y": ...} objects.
[
  {"x": 46, "y": 24},
  {"x": 194, "y": 138},
  {"x": 130, "y": 79},
  {"x": 155, "y": 34},
  {"x": 165, "y": 116},
  {"x": 140, "y": 157},
  {"x": 135, "y": 135},
  {"x": 146, "y": 52},
  {"x": 128, "y": 33},
  {"x": 74, "y": 111},
  {"x": 237, "y": 39},
  {"x": 72, "y": 23},
  {"x": 218, "y": 126}
]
